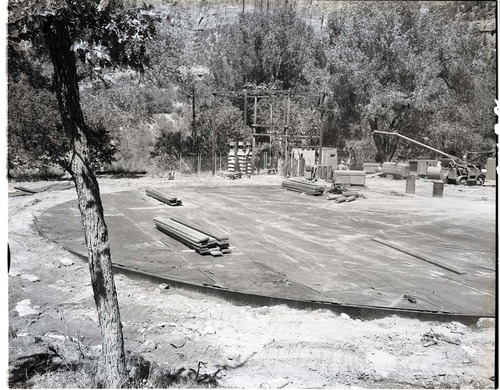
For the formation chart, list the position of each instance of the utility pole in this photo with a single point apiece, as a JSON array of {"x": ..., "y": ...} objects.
[
  {"x": 321, "y": 123},
  {"x": 213, "y": 150},
  {"x": 195, "y": 136}
]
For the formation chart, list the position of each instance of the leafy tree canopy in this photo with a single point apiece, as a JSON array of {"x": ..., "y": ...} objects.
[
  {"x": 394, "y": 66},
  {"x": 263, "y": 48}
]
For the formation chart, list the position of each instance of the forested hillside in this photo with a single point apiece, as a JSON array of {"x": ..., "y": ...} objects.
[{"x": 424, "y": 69}]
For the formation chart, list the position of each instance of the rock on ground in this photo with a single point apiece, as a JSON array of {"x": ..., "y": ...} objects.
[
  {"x": 67, "y": 262},
  {"x": 24, "y": 309},
  {"x": 30, "y": 277}
]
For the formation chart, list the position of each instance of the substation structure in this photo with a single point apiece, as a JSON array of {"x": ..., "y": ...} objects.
[{"x": 278, "y": 130}]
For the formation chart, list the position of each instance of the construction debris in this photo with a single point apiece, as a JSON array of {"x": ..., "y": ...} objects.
[
  {"x": 230, "y": 175},
  {"x": 331, "y": 196},
  {"x": 410, "y": 298},
  {"x": 170, "y": 200},
  {"x": 353, "y": 193},
  {"x": 201, "y": 242},
  {"x": 303, "y": 186},
  {"x": 432, "y": 338},
  {"x": 341, "y": 199}
]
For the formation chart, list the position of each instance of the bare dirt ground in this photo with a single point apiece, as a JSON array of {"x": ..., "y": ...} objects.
[{"x": 268, "y": 347}]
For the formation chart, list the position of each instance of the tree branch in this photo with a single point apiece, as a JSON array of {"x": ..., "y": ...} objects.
[{"x": 445, "y": 79}]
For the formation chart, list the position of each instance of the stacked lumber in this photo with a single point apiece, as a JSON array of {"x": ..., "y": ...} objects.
[
  {"x": 170, "y": 200},
  {"x": 202, "y": 242},
  {"x": 304, "y": 186}
]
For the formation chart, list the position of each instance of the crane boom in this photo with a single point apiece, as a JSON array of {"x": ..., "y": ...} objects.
[{"x": 420, "y": 144}]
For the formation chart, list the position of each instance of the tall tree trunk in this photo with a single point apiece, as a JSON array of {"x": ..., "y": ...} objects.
[{"x": 112, "y": 368}]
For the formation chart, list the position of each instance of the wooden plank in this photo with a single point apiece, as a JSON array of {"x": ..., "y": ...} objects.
[
  {"x": 418, "y": 256},
  {"x": 50, "y": 187},
  {"x": 160, "y": 196},
  {"x": 195, "y": 235},
  {"x": 194, "y": 226},
  {"x": 302, "y": 186}
]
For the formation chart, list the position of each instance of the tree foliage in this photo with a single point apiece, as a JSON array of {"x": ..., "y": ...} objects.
[
  {"x": 99, "y": 39},
  {"x": 262, "y": 48},
  {"x": 95, "y": 33},
  {"x": 223, "y": 120},
  {"x": 421, "y": 70},
  {"x": 35, "y": 135},
  {"x": 395, "y": 67}
]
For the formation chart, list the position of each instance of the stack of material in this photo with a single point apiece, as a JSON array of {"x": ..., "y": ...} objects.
[
  {"x": 230, "y": 175},
  {"x": 398, "y": 170},
  {"x": 170, "y": 200},
  {"x": 193, "y": 238},
  {"x": 304, "y": 186},
  {"x": 352, "y": 178},
  {"x": 346, "y": 196},
  {"x": 372, "y": 167}
]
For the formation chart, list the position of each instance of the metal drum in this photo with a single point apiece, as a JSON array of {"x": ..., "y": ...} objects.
[
  {"x": 438, "y": 189},
  {"x": 435, "y": 173},
  {"x": 410, "y": 185}
]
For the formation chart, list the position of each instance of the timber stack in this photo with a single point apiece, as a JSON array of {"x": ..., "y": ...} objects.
[
  {"x": 304, "y": 186},
  {"x": 202, "y": 242},
  {"x": 170, "y": 200}
]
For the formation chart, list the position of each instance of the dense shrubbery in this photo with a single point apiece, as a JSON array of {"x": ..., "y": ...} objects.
[{"x": 397, "y": 67}]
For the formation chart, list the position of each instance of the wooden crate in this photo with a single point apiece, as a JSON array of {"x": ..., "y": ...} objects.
[
  {"x": 398, "y": 170},
  {"x": 356, "y": 178},
  {"x": 371, "y": 167}
]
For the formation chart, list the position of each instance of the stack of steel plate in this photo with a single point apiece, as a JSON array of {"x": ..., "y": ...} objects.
[
  {"x": 202, "y": 242},
  {"x": 304, "y": 186},
  {"x": 170, "y": 200}
]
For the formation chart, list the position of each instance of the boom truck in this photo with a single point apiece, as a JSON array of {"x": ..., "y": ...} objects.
[{"x": 457, "y": 171}]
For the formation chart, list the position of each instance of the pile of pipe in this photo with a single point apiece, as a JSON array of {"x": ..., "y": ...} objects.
[
  {"x": 193, "y": 237},
  {"x": 170, "y": 200},
  {"x": 345, "y": 196},
  {"x": 304, "y": 186}
]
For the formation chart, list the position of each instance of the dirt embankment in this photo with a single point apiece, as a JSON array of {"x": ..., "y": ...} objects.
[{"x": 254, "y": 347}]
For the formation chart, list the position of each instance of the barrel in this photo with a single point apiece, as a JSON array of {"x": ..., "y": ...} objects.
[
  {"x": 437, "y": 189},
  {"x": 435, "y": 173},
  {"x": 410, "y": 185},
  {"x": 301, "y": 166},
  {"x": 329, "y": 174}
]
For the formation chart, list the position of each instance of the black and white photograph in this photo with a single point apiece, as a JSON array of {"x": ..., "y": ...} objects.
[{"x": 250, "y": 194}]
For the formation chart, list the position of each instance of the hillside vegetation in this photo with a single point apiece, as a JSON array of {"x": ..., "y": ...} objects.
[{"x": 424, "y": 69}]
